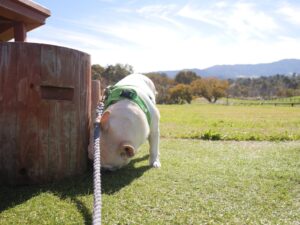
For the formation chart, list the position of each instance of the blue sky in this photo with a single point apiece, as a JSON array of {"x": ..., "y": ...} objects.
[{"x": 170, "y": 35}]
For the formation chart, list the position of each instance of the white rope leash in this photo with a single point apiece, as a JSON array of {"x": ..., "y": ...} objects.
[{"x": 97, "y": 168}]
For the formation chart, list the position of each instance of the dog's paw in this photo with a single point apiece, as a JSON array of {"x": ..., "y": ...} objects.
[{"x": 155, "y": 164}]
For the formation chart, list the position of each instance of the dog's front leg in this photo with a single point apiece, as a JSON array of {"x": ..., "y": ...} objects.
[
  {"x": 154, "y": 149},
  {"x": 154, "y": 143}
]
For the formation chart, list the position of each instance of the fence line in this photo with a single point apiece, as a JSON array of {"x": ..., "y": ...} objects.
[
  {"x": 276, "y": 102},
  {"x": 292, "y": 104}
]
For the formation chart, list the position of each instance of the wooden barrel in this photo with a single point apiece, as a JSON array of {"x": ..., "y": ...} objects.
[{"x": 45, "y": 104}]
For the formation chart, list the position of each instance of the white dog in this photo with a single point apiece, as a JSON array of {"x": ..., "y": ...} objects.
[{"x": 129, "y": 119}]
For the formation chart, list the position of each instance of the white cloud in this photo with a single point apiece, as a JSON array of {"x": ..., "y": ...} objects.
[
  {"x": 72, "y": 38},
  {"x": 245, "y": 20},
  {"x": 165, "y": 13},
  {"x": 221, "y": 4},
  {"x": 203, "y": 15},
  {"x": 156, "y": 9},
  {"x": 240, "y": 19},
  {"x": 290, "y": 13}
]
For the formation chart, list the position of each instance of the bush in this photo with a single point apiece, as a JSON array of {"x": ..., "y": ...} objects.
[
  {"x": 180, "y": 94},
  {"x": 211, "y": 135}
]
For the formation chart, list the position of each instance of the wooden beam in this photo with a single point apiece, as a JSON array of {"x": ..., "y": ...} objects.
[
  {"x": 27, "y": 12},
  {"x": 20, "y": 31},
  {"x": 23, "y": 10}
]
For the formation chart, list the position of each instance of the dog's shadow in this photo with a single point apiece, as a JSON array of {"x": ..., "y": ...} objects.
[
  {"x": 74, "y": 187},
  {"x": 114, "y": 181}
]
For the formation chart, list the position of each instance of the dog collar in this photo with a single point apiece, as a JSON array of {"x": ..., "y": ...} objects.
[{"x": 117, "y": 93}]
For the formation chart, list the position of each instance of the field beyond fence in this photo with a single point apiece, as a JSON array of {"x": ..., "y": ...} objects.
[{"x": 238, "y": 122}]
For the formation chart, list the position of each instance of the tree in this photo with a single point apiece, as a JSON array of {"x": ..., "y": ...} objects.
[
  {"x": 210, "y": 88},
  {"x": 97, "y": 71},
  {"x": 110, "y": 74},
  {"x": 180, "y": 94},
  {"x": 162, "y": 84},
  {"x": 266, "y": 87},
  {"x": 117, "y": 72},
  {"x": 186, "y": 77}
]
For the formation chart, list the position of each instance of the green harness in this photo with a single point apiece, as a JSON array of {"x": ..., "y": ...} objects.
[{"x": 117, "y": 93}]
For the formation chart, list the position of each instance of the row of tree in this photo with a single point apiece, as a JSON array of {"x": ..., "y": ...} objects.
[
  {"x": 188, "y": 85},
  {"x": 265, "y": 87}
]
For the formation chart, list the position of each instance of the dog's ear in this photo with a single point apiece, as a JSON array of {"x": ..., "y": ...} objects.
[
  {"x": 104, "y": 122},
  {"x": 129, "y": 150}
]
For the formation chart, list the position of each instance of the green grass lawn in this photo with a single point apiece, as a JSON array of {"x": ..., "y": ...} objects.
[
  {"x": 230, "y": 122},
  {"x": 200, "y": 182}
]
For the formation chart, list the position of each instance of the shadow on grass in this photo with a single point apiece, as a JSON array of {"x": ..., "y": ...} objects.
[
  {"x": 116, "y": 180},
  {"x": 73, "y": 187},
  {"x": 65, "y": 189}
]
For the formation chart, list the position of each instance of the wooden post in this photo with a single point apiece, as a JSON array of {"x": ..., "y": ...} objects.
[
  {"x": 95, "y": 99},
  {"x": 96, "y": 95},
  {"x": 20, "y": 32}
]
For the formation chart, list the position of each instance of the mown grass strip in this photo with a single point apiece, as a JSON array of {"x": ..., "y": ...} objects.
[{"x": 241, "y": 123}]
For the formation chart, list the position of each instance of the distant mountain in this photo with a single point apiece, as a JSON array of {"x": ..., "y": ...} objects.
[{"x": 285, "y": 66}]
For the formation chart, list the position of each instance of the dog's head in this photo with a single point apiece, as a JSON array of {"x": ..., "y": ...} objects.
[{"x": 116, "y": 148}]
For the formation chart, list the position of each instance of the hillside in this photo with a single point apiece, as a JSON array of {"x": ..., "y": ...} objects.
[{"x": 285, "y": 66}]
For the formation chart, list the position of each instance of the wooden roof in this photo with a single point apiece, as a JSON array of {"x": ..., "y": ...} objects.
[{"x": 20, "y": 16}]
